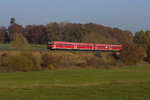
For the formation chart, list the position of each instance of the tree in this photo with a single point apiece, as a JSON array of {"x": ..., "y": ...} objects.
[
  {"x": 148, "y": 53},
  {"x": 132, "y": 54},
  {"x": 2, "y": 34},
  {"x": 19, "y": 42},
  {"x": 12, "y": 21},
  {"x": 35, "y": 34},
  {"x": 142, "y": 38},
  {"x": 13, "y": 29},
  {"x": 53, "y": 32}
]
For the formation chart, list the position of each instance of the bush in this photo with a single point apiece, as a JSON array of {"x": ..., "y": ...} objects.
[
  {"x": 24, "y": 61},
  {"x": 82, "y": 64},
  {"x": 49, "y": 61},
  {"x": 16, "y": 63},
  {"x": 35, "y": 57},
  {"x": 93, "y": 62},
  {"x": 116, "y": 55},
  {"x": 98, "y": 54},
  {"x": 132, "y": 54},
  {"x": 19, "y": 41}
]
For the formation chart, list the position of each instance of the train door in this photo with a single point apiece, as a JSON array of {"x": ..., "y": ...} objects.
[
  {"x": 110, "y": 48},
  {"x": 95, "y": 47},
  {"x": 75, "y": 45}
]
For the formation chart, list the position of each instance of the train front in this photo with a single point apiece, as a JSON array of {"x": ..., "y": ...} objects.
[{"x": 49, "y": 45}]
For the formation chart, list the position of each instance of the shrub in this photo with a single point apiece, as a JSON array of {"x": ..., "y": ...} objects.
[
  {"x": 132, "y": 54},
  {"x": 23, "y": 61},
  {"x": 16, "y": 63},
  {"x": 19, "y": 41},
  {"x": 35, "y": 57},
  {"x": 4, "y": 54},
  {"x": 98, "y": 54},
  {"x": 82, "y": 64},
  {"x": 49, "y": 61},
  {"x": 116, "y": 55},
  {"x": 93, "y": 62}
]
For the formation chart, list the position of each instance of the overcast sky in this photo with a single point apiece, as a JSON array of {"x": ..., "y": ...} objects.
[{"x": 133, "y": 15}]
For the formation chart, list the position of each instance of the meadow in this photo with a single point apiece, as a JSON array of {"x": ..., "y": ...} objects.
[
  {"x": 127, "y": 83},
  {"x": 31, "y": 46}
]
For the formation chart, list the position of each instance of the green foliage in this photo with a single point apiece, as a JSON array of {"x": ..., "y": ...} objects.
[
  {"x": 142, "y": 38},
  {"x": 65, "y": 31},
  {"x": 12, "y": 21},
  {"x": 86, "y": 33},
  {"x": 132, "y": 54}
]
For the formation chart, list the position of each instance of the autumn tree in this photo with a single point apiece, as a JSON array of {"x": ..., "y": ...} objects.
[
  {"x": 132, "y": 54},
  {"x": 2, "y": 34},
  {"x": 148, "y": 53},
  {"x": 19, "y": 42},
  {"x": 35, "y": 34},
  {"x": 93, "y": 33},
  {"x": 13, "y": 29}
]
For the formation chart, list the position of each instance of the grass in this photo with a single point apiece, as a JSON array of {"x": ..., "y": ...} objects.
[
  {"x": 129, "y": 83},
  {"x": 38, "y": 47},
  {"x": 5, "y": 46},
  {"x": 31, "y": 46}
]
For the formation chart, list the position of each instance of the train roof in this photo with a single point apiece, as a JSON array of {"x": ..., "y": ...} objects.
[{"x": 87, "y": 43}]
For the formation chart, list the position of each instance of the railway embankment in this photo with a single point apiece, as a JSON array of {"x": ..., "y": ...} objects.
[{"x": 11, "y": 61}]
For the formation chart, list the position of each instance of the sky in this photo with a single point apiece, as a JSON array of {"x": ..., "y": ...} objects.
[{"x": 133, "y": 15}]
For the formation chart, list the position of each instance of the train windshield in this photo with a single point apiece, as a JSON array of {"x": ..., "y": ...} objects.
[{"x": 49, "y": 43}]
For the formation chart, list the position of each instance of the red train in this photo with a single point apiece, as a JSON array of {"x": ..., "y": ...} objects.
[{"x": 82, "y": 46}]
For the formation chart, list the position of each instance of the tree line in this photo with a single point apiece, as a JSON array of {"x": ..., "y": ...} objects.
[{"x": 41, "y": 34}]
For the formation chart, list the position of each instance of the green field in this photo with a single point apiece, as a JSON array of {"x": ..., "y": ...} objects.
[
  {"x": 130, "y": 83},
  {"x": 31, "y": 46}
]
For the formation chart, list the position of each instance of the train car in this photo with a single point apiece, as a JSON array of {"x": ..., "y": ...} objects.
[
  {"x": 107, "y": 47},
  {"x": 82, "y": 46},
  {"x": 49, "y": 45},
  {"x": 60, "y": 45},
  {"x": 117, "y": 47}
]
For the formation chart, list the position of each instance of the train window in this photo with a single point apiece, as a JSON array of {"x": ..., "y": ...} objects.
[
  {"x": 49, "y": 43},
  {"x": 116, "y": 47},
  {"x": 102, "y": 46},
  {"x": 85, "y": 45},
  {"x": 64, "y": 44},
  {"x": 67, "y": 44},
  {"x": 59, "y": 44}
]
